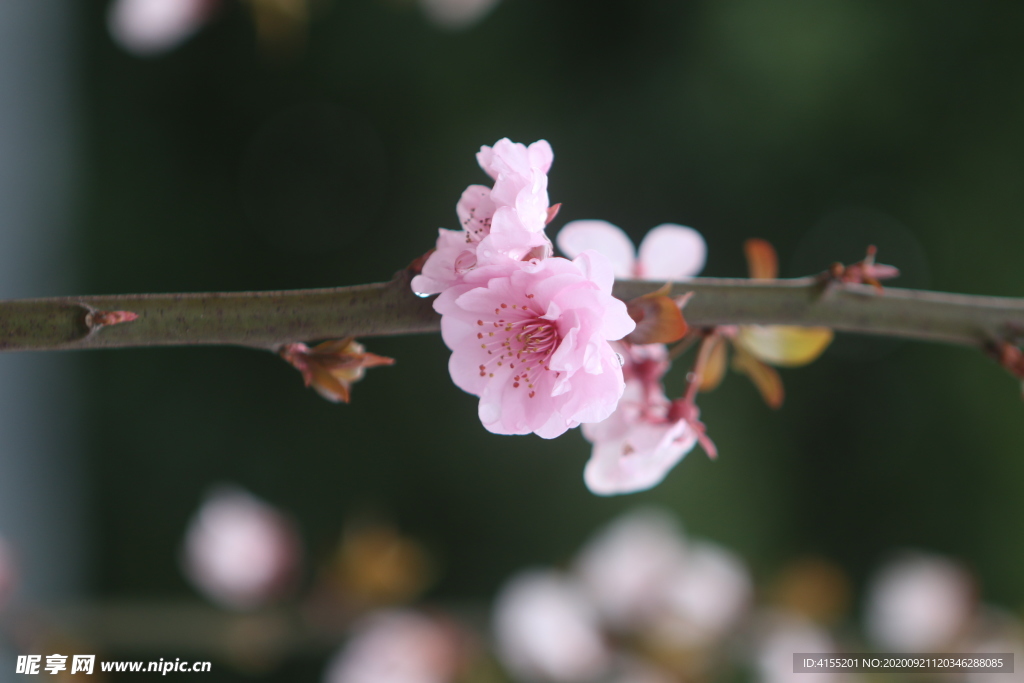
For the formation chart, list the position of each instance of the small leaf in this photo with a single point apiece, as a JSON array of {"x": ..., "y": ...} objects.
[
  {"x": 765, "y": 378},
  {"x": 332, "y": 388},
  {"x": 658, "y": 318},
  {"x": 784, "y": 345},
  {"x": 762, "y": 261},
  {"x": 714, "y": 371}
]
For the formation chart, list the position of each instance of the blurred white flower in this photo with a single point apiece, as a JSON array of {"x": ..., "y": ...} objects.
[
  {"x": 919, "y": 603},
  {"x": 705, "y": 597},
  {"x": 398, "y": 646},
  {"x": 778, "y": 635},
  {"x": 456, "y": 14},
  {"x": 547, "y": 630},
  {"x": 625, "y": 566},
  {"x": 239, "y": 551},
  {"x": 151, "y": 27}
]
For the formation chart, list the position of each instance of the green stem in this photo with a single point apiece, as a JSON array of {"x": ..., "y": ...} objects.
[{"x": 269, "y": 319}]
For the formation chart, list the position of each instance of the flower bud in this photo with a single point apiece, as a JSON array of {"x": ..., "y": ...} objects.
[{"x": 333, "y": 366}]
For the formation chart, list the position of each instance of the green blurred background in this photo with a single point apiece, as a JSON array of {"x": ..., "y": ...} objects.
[{"x": 821, "y": 127}]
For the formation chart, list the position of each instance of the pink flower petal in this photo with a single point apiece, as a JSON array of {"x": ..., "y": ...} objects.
[
  {"x": 578, "y": 236},
  {"x": 475, "y": 209},
  {"x": 671, "y": 252},
  {"x": 541, "y": 156},
  {"x": 439, "y": 272},
  {"x": 598, "y": 269}
]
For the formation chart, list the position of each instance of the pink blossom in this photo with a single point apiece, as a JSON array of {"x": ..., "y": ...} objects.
[
  {"x": 500, "y": 223},
  {"x": 546, "y": 629},
  {"x": 149, "y": 27},
  {"x": 530, "y": 338},
  {"x": 667, "y": 252},
  {"x": 642, "y": 440},
  {"x": 398, "y": 646},
  {"x": 240, "y": 551}
]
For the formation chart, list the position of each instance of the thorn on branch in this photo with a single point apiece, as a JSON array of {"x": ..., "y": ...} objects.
[{"x": 864, "y": 272}]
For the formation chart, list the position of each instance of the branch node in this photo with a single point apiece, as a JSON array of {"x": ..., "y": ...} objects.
[{"x": 864, "y": 272}]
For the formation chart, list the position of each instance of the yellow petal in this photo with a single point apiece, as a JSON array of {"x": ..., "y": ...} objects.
[
  {"x": 764, "y": 377},
  {"x": 784, "y": 345}
]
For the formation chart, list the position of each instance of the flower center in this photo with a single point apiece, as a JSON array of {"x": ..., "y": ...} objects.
[{"x": 521, "y": 339}]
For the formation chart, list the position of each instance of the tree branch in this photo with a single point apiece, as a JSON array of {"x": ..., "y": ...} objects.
[{"x": 267, "y": 320}]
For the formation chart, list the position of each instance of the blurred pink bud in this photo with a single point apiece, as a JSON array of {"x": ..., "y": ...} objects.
[
  {"x": 398, "y": 646},
  {"x": 97, "y": 319},
  {"x": 547, "y": 630},
  {"x": 456, "y": 14},
  {"x": 667, "y": 252},
  {"x": 919, "y": 603},
  {"x": 239, "y": 551},
  {"x": 8, "y": 573},
  {"x": 626, "y": 566},
  {"x": 150, "y": 27}
]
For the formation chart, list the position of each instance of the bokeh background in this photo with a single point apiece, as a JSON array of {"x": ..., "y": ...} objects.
[{"x": 331, "y": 156}]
